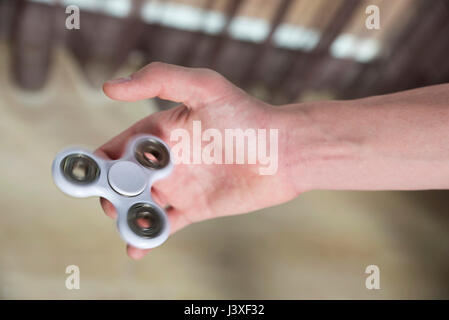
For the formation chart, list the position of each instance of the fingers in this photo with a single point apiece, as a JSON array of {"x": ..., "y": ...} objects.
[
  {"x": 108, "y": 208},
  {"x": 177, "y": 220},
  {"x": 191, "y": 86},
  {"x": 113, "y": 149},
  {"x": 136, "y": 253}
]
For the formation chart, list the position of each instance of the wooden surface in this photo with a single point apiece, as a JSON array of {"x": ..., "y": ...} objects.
[{"x": 412, "y": 39}]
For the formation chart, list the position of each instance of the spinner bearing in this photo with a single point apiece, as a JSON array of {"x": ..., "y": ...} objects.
[{"x": 125, "y": 182}]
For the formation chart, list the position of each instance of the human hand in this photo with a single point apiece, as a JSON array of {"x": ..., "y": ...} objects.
[{"x": 195, "y": 192}]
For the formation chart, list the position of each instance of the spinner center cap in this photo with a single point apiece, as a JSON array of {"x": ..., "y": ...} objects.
[{"x": 127, "y": 178}]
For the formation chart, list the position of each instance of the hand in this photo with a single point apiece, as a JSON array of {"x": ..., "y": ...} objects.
[
  {"x": 199, "y": 191},
  {"x": 395, "y": 141}
]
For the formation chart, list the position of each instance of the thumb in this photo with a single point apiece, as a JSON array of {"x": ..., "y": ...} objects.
[{"x": 194, "y": 87}]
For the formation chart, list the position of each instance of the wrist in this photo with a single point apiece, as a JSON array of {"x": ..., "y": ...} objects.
[
  {"x": 378, "y": 143},
  {"x": 319, "y": 149}
]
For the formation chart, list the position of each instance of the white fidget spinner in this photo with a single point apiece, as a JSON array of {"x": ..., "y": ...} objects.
[{"x": 125, "y": 182}]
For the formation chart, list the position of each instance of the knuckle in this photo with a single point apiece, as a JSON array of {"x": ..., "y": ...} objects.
[
  {"x": 213, "y": 80},
  {"x": 154, "y": 66},
  {"x": 211, "y": 74}
]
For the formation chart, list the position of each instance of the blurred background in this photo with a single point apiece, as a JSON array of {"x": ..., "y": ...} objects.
[{"x": 281, "y": 51}]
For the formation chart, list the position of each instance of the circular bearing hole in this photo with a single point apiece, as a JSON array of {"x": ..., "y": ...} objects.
[
  {"x": 152, "y": 157},
  {"x": 152, "y": 154},
  {"x": 80, "y": 168},
  {"x": 145, "y": 220}
]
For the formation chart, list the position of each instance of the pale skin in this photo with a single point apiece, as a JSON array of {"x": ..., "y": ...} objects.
[{"x": 391, "y": 142}]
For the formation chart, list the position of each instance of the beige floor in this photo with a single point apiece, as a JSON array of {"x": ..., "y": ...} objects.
[{"x": 317, "y": 246}]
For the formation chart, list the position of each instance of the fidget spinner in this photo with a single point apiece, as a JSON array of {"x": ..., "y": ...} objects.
[{"x": 125, "y": 182}]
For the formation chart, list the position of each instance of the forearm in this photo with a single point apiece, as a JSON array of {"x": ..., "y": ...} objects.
[{"x": 398, "y": 141}]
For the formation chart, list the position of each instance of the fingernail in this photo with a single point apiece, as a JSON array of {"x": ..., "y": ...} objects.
[{"x": 119, "y": 80}]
